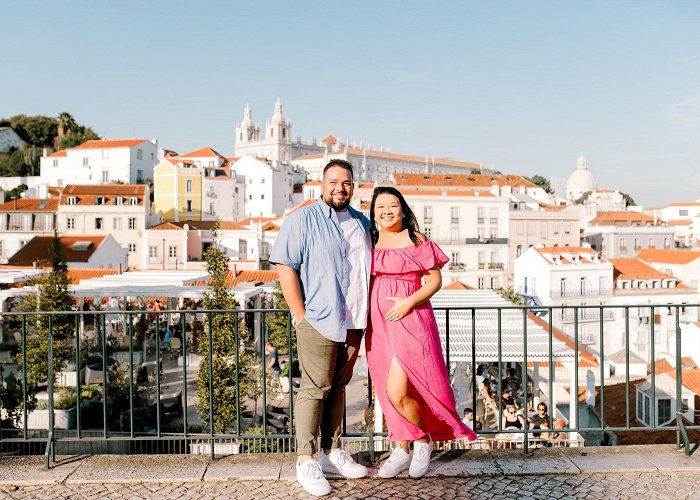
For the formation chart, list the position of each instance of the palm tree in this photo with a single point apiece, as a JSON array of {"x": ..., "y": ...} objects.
[{"x": 66, "y": 124}]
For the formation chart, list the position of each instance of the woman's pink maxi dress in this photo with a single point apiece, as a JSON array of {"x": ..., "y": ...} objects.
[{"x": 414, "y": 341}]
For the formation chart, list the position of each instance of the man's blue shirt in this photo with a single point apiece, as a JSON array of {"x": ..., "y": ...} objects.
[{"x": 311, "y": 242}]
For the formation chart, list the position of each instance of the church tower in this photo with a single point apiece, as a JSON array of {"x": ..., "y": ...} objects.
[
  {"x": 278, "y": 132},
  {"x": 247, "y": 132}
]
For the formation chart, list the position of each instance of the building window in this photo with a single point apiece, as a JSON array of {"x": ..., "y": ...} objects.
[
  {"x": 105, "y": 154},
  {"x": 480, "y": 283},
  {"x": 493, "y": 215},
  {"x": 494, "y": 283},
  {"x": 55, "y": 163},
  {"x": 427, "y": 231},
  {"x": 456, "y": 258},
  {"x": 70, "y": 223},
  {"x": 427, "y": 215},
  {"x": 262, "y": 196},
  {"x": 119, "y": 200},
  {"x": 682, "y": 212},
  {"x": 519, "y": 251},
  {"x": 567, "y": 228},
  {"x": 139, "y": 154},
  {"x": 100, "y": 200},
  {"x": 2, "y": 253},
  {"x": 117, "y": 223},
  {"x": 132, "y": 222},
  {"x": 493, "y": 233},
  {"x": 188, "y": 205},
  {"x": 98, "y": 222},
  {"x": 519, "y": 228},
  {"x": 651, "y": 242},
  {"x": 531, "y": 228},
  {"x": 667, "y": 244},
  {"x": 153, "y": 252},
  {"x": 133, "y": 200},
  {"x": 555, "y": 227},
  {"x": 479, "y": 215},
  {"x": 139, "y": 177},
  {"x": 637, "y": 246},
  {"x": 85, "y": 161},
  {"x": 623, "y": 245},
  {"x": 543, "y": 230},
  {"x": 562, "y": 287},
  {"x": 71, "y": 200},
  {"x": 582, "y": 286},
  {"x": 454, "y": 235},
  {"x": 188, "y": 185},
  {"x": 454, "y": 214},
  {"x": 132, "y": 247},
  {"x": 262, "y": 181},
  {"x": 172, "y": 253},
  {"x": 250, "y": 197},
  {"x": 242, "y": 249}
]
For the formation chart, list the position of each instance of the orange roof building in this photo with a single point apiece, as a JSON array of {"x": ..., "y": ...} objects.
[{"x": 96, "y": 252}]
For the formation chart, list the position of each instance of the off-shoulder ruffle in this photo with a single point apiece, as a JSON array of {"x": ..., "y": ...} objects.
[{"x": 421, "y": 257}]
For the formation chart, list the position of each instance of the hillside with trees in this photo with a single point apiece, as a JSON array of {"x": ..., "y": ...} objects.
[{"x": 40, "y": 132}]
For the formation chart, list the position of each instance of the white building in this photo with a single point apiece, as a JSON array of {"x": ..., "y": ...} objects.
[
  {"x": 567, "y": 276},
  {"x": 531, "y": 224},
  {"x": 684, "y": 217},
  {"x": 85, "y": 251},
  {"x": 101, "y": 162},
  {"x": 120, "y": 210},
  {"x": 640, "y": 286},
  {"x": 181, "y": 245},
  {"x": 580, "y": 182},
  {"x": 269, "y": 186},
  {"x": 21, "y": 220},
  {"x": 683, "y": 264},
  {"x": 622, "y": 235}
]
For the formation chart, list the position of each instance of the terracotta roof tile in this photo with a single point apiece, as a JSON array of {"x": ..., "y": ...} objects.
[
  {"x": 628, "y": 269},
  {"x": 117, "y": 143},
  {"x": 613, "y": 217},
  {"x": 679, "y": 222},
  {"x": 30, "y": 205},
  {"x": 457, "y": 285},
  {"x": 668, "y": 256},
  {"x": 38, "y": 250},
  {"x": 461, "y": 180},
  {"x": 255, "y": 276},
  {"x": 329, "y": 140},
  {"x": 684, "y": 204},
  {"x": 76, "y": 275},
  {"x": 201, "y": 153},
  {"x": 87, "y": 194},
  {"x": 59, "y": 154}
]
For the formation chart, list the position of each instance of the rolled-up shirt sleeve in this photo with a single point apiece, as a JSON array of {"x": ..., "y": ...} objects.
[{"x": 288, "y": 247}]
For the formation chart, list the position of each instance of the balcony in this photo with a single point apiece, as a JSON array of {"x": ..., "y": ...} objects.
[
  {"x": 584, "y": 314},
  {"x": 480, "y": 220},
  {"x": 211, "y": 194},
  {"x": 457, "y": 266},
  {"x": 427, "y": 220},
  {"x": 454, "y": 220},
  {"x": 496, "y": 265},
  {"x": 486, "y": 241},
  {"x": 581, "y": 293}
]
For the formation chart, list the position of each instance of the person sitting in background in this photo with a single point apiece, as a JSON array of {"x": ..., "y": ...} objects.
[
  {"x": 511, "y": 420},
  {"x": 169, "y": 334},
  {"x": 557, "y": 438},
  {"x": 511, "y": 381},
  {"x": 468, "y": 418},
  {"x": 507, "y": 397},
  {"x": 542, "y": 417}
]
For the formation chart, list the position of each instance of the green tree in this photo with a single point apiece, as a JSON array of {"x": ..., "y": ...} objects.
[
  {"x": 582, "y": 199},
  {"x": 629, "y": 201},
  {"x": 221, "y": 328},
  {"x": 278, "y": 324},
  {"x": 511, "y": 296},
  {"x": 51, "y": 295},
  {"x": 542, "y": 182}
]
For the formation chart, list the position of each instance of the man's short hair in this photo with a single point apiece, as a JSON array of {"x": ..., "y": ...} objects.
[
  {"x": 337, "y": 162},
  {"x": 468, "y": 411}
]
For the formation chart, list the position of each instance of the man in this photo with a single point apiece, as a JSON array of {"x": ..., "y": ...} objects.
[
  {"x": 273, "y": 364},
  {"x": 468, "y": 418},
  {"x": 323, "y": 256}
]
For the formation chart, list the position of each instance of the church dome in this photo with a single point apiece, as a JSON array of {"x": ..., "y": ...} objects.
[{"x": 581, "y": 180}]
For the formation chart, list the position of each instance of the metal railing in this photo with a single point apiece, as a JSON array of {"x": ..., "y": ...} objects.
[{"x": 133, "y": 401}]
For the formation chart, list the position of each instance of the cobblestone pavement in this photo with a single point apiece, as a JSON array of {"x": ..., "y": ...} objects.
[{"x": 610, "y": 485}]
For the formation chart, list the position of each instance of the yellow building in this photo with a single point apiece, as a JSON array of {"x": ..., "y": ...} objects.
[{"x": 177, "y": 186}]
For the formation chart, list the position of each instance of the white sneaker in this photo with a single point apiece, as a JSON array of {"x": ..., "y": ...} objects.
[
  {"x": 421, "y": 458},
  {"x": 397, "y": 462},
  {"x": 339, "y": 462},
  {"x": 311, "y": 477}
]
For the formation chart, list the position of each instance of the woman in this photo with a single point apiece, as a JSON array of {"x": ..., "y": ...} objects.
[
  {"x": 404, "y": 354},
  {"x": 511, "y": 420}
]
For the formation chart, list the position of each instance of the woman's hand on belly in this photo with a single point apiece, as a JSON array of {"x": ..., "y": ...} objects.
[{"x": 402, "y": 306}]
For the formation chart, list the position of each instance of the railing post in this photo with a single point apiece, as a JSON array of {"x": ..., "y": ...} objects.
[
  {"x": 183, "y": 329},
  {"x": 653, "y": 369},
  {"x": 526, "y": 447},
  {"x": 627, "y": 367},
  {"x": 211, "y": 382},
  {"x": 130, "y": 330},
  {"x": 602, "y": 372},
  {"x": 103, "y": 324},
  {"x": 49, "y": 379},
  {"x": 78, "y": 382}
]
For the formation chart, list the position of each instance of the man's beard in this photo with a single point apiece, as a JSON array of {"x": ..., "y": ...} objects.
[{"x": 338, "y": 207}]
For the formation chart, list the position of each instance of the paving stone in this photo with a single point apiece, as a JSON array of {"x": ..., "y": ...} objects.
[
  {"x": 668, "y": 457},
  {"x": 542, "y": 461},
  {"x": 463, "y": 463},
  {"x": 608, "y": 458},
  {"x": 139, "y": 468},
  {"x": 247, "y": 467},
  {"x": 30, "y": 470}
]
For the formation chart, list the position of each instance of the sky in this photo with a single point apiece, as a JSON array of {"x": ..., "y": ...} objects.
[{"x": 523, "y": 86}]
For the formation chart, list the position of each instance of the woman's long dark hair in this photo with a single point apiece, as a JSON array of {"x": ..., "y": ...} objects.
[{"x": 408, "y": 220}]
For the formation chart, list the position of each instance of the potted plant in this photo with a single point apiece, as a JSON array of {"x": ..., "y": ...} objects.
[{"x": 64, "y": 415}]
